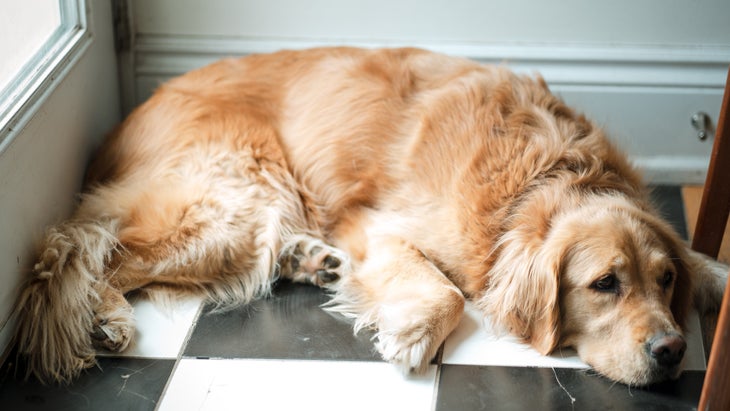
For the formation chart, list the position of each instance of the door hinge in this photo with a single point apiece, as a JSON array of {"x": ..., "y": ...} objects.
[{"x": 122, "y": 25}]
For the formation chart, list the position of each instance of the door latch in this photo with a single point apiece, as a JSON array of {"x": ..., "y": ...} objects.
[{"x": 702, "y": 123}]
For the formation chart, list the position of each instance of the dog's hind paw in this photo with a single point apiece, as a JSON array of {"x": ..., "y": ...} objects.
[
  {"x": 54, "y": 257},
  {"x": 112, "y": 334},
  {"x": 113, "y": 323},
  {"x": 307, "y": 259}
]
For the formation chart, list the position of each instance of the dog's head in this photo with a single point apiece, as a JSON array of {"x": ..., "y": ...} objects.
[{"x": 606, "y": 278}]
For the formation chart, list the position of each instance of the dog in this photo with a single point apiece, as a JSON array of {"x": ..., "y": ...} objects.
[{"x": 403, "y": 181}]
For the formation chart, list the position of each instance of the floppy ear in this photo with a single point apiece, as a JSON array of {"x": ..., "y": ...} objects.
[
  {"x": 523, "y": 292},
  {"x": 682, "y": 294}
]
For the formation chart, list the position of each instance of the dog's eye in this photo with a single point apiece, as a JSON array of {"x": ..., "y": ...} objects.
[
  {"x": 667, "y": 279},
  {"x": 606, "y": 284}
]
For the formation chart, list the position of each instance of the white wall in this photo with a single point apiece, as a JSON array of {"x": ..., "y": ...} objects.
[
  {"x": 42, "y": 167},
  {"x": 641, "y": 68},
  {"x": 699, "y": 22}
]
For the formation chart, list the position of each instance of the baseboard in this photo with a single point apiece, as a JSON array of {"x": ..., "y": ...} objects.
[
  {"x": 673, "y": 170},
  {"x": 560, "y": 63}
]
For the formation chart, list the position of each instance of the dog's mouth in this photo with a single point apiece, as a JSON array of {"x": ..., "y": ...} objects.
[
  {"x": 643, "y": 375},
  {"x": 649, "y": 364},
  {"x": 642, "y": 378},
  {"x": 660, "y": 374}
]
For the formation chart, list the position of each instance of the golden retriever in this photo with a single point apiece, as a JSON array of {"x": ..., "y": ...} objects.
[{"x": 402, "y": 180}]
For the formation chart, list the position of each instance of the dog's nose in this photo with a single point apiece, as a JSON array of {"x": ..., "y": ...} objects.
[{"x": 667, "y": 348}]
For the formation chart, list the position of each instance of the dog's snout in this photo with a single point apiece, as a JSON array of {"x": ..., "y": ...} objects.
[{"x": 667, "y": 348}]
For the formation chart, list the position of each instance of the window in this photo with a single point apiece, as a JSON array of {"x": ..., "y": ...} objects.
[
  {"x": 23, "y": 32},
  {"x": 38, "y": 40}
]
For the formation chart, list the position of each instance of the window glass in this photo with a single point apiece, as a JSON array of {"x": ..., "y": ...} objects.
[
  {"x": 39, "y": 42},
  {"x": 25, "y": 28}
]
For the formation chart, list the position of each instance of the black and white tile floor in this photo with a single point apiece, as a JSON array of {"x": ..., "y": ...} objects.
[{"x": 286, "y": 353}]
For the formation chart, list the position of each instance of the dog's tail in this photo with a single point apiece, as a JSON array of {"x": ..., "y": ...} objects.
[{"x": 55, "y": 310}]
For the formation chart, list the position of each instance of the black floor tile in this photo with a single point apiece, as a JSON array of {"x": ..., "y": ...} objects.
[
  {"x": 465, "y": 388},
  {"x": 117, "y": 384},
  {"x": 289, "y": 325},
  {"x": 671, "y": 206}
]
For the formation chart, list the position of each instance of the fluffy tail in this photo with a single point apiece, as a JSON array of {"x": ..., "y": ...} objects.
[{"x": 55, "y": 309}]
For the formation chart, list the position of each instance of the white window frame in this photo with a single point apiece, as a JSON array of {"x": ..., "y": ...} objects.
[{"x": 40, "y": 75}]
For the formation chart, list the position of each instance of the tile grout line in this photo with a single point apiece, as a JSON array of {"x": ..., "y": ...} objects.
[
  {"x": 436, "y": 383},
  {"x": 180, "y": 352},
  {"x": 437, "y": 377}
]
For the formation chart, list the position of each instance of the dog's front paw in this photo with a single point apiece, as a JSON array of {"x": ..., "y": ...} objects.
[
  {"x": 411, "y": 350},
  {"x": 410, "y": 334}
]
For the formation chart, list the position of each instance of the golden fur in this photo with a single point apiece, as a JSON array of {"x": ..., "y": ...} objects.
[{"x": 405, "y": 181}]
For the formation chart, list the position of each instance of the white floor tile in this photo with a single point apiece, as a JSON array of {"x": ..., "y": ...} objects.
[
  {"x": 475, "y": 342},
  {"x": 161, "y": 330},
  {"x": 296, "y": 385}
]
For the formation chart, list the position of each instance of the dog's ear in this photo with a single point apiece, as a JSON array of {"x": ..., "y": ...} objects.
[
  {"x": 682, "y": 294},
  {"x": 523, "y": 292},
  {"x": 682, "y": 297}
]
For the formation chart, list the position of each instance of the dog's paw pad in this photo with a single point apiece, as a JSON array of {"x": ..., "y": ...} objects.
[
  {"x": 52, "y": 260},
  {"x": 327, "y": 276},
  {"x": 331, "y": 261},
  {"x": 310, "y": 260},
  {"x": 290, "y": 263},
  {"x": 330, "y": 265}
]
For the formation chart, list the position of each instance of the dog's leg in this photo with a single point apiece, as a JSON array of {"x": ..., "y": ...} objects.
[
  {"x": 56, "y": 308},
  {"x": 410, "y": 302},
  {"x": 224, "y": 246},
  {"x": 709, "y": 283},
  {"x": 304, "y": 258},
  {"x": 220, "y": 238}
]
